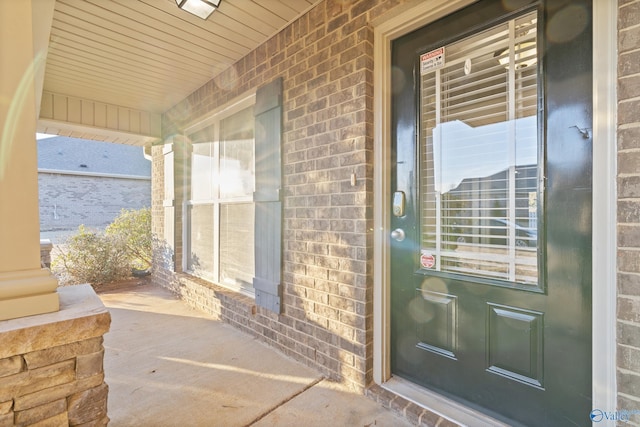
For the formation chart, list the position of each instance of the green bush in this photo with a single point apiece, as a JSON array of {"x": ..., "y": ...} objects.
[
  {"x": 133, "y": 229},
  {"x": 90, "y": 257},
  {"x": 100, "y": 258}
]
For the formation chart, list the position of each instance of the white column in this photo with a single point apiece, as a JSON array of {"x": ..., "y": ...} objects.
[{"x": 25, "y": 288}]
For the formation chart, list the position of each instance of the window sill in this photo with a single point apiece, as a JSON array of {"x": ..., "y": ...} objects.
[{"x": 186, "y": 279}]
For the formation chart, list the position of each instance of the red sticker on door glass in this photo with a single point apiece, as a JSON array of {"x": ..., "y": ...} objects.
[
  {"x": 431, "y": 61},
  {"x": 427, "y": 260}
]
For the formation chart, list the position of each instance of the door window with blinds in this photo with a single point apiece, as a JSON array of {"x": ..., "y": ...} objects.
[
  {"x": 479, "y": 194},
  {"x": 220, "y": 212}
]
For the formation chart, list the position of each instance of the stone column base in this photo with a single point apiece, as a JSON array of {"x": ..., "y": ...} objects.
[{"x": 51, "y": 365}]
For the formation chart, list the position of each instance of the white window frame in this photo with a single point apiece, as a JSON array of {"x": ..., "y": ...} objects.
[{"x": 212, "y": 119}]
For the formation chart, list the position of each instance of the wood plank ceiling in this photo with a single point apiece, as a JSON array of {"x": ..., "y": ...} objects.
[{"x": 148, "y": 54}]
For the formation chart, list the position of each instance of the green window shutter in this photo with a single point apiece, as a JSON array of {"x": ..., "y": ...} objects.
[{"x": 268, "y": 206}]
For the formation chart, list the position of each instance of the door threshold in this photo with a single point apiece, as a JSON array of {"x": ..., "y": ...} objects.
[{"x": 439, "y": 404}]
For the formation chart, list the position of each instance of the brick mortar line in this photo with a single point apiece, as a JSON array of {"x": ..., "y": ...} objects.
[
  {"x": 628, "y": 100},
  {"x": 628, "y": 27},
  {"x": 627, "y": 4},
  {"x": 629, "y": 397},
  {"x": 626, "y": 126},
  {"x": 628, "y": 346},
  {"x": 285, "y": 401},
  {"x": 630, "y": 297},
  {"x": 628, "y": 76},
  {"x": 628, "y": 372},
  {"x": 627, "y": 322}
]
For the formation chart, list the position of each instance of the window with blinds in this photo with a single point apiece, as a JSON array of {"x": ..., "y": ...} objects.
[
  {"x": 479, "y": 155},
  {"x": 220, "y": 211}
]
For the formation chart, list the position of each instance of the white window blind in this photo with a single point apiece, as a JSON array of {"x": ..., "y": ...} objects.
[{"x": 479, "y": 155}]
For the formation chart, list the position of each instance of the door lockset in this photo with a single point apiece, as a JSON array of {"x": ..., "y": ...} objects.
[
  {"x": 398, "y": 203},
  {"x": 398, "y": 234}
]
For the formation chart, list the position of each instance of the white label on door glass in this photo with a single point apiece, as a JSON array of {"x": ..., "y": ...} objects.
[{"x": 431, "y": 60}]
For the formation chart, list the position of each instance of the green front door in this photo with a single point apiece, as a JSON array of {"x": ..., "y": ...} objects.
[{"x": 491, "y": 216}]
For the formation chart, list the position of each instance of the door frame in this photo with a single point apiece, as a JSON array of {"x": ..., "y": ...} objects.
[{"x": 416, "y": 14}]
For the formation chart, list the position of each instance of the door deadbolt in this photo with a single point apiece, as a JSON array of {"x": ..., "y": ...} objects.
[{"x": 398, "y": 203}]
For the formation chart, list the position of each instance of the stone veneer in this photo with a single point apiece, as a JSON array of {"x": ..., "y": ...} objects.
[
  {"x": 51, "y": 365},
  {"x": 45, "y": 252}
]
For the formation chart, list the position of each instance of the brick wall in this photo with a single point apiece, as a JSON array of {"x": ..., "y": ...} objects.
[
  {"x": 629, "y": 206},
  {"x": 67, "y": 201},
  {"x": 157, "y": 214},
  {"x": 326, "y": 61}
]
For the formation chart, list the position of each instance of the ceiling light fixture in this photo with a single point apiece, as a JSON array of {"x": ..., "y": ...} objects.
[
  {"x": 525, "y": 56},
  {"x": 201, "y": 8}
]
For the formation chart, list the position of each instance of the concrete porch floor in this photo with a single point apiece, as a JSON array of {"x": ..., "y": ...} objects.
[{"x": 169, "y": 365}]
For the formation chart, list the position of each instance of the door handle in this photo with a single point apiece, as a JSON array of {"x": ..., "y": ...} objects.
[{"x": 398, "y": 234}]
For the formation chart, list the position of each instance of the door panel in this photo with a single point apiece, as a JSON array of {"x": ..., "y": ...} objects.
[{"x": 491, "y": 285}]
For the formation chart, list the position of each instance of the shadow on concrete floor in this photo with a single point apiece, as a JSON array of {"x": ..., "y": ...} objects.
[{"x": 169, "y": 365}]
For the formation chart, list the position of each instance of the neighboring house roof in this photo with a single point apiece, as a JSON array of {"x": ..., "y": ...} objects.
[{"x": 85, "y": 156}]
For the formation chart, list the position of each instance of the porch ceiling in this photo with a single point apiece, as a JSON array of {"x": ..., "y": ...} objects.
[{"x": 147, "y": 55}]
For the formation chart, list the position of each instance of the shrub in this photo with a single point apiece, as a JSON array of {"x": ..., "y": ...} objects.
[
  {"x": 133, "y": 229},
  {"x": 90, "y": 257},
  {"x": 99, "y": 258}
]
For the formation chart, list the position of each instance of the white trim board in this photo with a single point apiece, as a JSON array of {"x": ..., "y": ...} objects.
[
  {"x": 605, "y": 61},
  {"x": 93, "y": 174}
]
